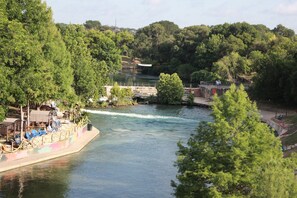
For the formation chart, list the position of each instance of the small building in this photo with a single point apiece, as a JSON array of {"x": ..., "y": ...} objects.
[
  {"x": 40, "y": 116},
  {"x": 208, "y": 91},
  {"x": 9, "y": 126},
  {"x": 195, "y": 91}
]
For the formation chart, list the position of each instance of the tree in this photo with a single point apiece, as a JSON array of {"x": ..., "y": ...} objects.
[
  {"x": 187, "y": 40},
  {"x": 232, "y": 65},
  {"x": 276, "y": 75},
  {"x": 234, "y": 156},
  {"x": 283, "y": 31},
  {"x": 104, "y": 49},
  {"x": 170, "y": 89},
  {"x": 26, "y": 69},
  {"x": 32, "y": 22},
  {"x": 81, "y": 61},
  {"x": 121, "y": 96},
  {"x": 89, "y": 24},
  {"x": 185, "y": 71},
  {"x": 4, "y": 93},
  {"x": 124, "y": 41},
  {"x": 203, "y": 75},
  {"x": 115, "y": 90},
  {"x": 153, "y": 43}
]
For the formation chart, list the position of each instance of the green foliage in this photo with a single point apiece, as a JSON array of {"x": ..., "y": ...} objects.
[
  {"x": 2, "y": 113},
  {"x": 228, "y": 51},
  {"x": 115, "y": 90},
  {"x": 234, "y": 156},
  {"x": 82, "y": 62},
  {"x": 103, "y": 104},
  {"x": 41, "y": 53},
  {"x": 83, "y": 118},
  {"x": 190, "y": 99},
  {"x": 121, "y": 96},
  {"x": 103, "y": 49},
  {"x": 276, "y": 79},
  {"x": 153, "y": 42},
  {"x": 230, "y": 66},
  {"x": 203, "y": 75},
  {"x": 283, "y": 31},
  {"x": 89, "y": 24},
  {"x": 33, "y": 51},
  {"x": 170, "y": 89},
  {"x": 185, "y": 71},
  {"x": 124, "y": 41}
]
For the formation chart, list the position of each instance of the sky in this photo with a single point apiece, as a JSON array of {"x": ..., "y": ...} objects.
[{"x": 140, "y": 13}]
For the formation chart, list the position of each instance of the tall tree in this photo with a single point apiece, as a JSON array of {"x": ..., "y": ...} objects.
[
  {"x": 232, "y": 65},
  {"x": 54, "y": 60},
  {"x": 104, "y": 49},
  {"x": 82, "y": 62},
  {"x": 170, "y": 89},
  {"x": 4, "y": 82},
  {"x": 153, "y": 43},
  {"x": 21, "y": 55},
  {"x": 90, "y": 24},
  {"x": 234, "y": 156},
  {"x": 283, "y": 31},
  {"x": 124, "y": 41},
  {"x": 276, "y": 74}
]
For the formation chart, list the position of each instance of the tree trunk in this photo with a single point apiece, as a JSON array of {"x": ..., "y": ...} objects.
[
  {"x": 28, "y": 114},
  {"x": 22, "y": 123}
]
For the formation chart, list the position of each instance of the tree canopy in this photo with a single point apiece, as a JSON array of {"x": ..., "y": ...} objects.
[
  {"x": 231, "y": 52},
  {"x": 39, "y": 63},
  {"x": 90, "y": 24},
  {"x": 76, "y": 60},
  {"x": 235, "y": 155},
  {"x": 82, "y": 62},
  {"x": 170, "y": 89},
  {"x": 32, "y": 53}
]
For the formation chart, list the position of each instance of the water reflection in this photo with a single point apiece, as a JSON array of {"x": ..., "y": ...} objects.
[{"x": 47, "y": 179}]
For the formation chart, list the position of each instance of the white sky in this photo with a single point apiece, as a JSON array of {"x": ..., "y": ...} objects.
[{"x": 140, "y": 13}]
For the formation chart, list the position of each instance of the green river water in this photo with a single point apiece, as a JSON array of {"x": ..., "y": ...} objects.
[{"x": 133, "y": 157}]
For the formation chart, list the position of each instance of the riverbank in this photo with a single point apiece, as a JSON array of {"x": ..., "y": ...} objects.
[
  {"x": 73, "y": 147},
  {"x": 276, "y": 118}
]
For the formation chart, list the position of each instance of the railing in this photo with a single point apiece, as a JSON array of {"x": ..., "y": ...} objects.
[
  {"x": 64, "y": 133},
  {"x": 135, "y": 84},
  {"x": 52, "y": 137}
]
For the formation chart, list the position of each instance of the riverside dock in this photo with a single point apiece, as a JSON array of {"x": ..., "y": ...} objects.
[{"x": 45, "y": 154}]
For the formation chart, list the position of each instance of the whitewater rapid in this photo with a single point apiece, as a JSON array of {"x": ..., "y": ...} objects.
[{"x": 134, "y": 115}]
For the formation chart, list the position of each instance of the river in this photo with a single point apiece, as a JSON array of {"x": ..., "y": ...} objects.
[{"x": 133, "y": 157}]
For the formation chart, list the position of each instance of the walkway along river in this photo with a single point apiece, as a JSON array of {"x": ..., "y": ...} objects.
[{"x": 68, "y": 140}]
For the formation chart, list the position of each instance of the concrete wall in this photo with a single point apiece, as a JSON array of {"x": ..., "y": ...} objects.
[
  {"x": 195, "y": 91},
  {"x": 47, "y": 147},
  {"x": 137, "y": 90}
]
